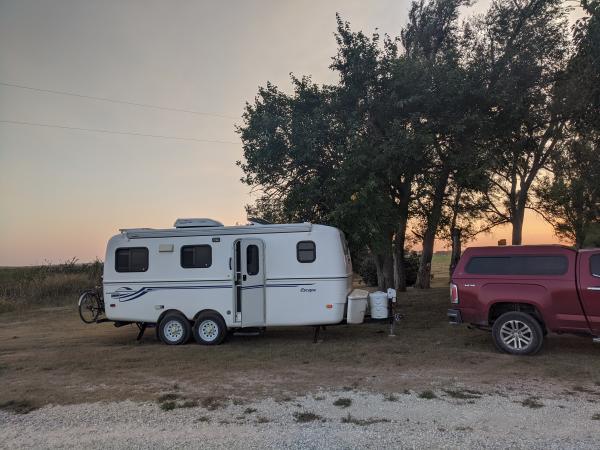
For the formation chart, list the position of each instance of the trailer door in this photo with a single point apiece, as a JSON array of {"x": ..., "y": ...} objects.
[
  {"x": 589, "y": 287},
  {"x": 251, "y": 282}
]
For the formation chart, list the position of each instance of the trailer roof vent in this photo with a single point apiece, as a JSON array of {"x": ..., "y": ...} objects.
[{"x": 197, "y": 223}]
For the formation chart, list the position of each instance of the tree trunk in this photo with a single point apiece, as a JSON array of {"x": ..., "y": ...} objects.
[
  {"x": 456, "y": 249},
  {"x": 424, "y": 273},
  {"x": 400, "y": 238},
  {"x": 384, "y": 263},
  {"x": 517, "y": 219},
  {"x": 380, "y": 272}
]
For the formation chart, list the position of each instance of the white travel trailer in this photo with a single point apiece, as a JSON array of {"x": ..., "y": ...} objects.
[{"x": 202, "y": 278}]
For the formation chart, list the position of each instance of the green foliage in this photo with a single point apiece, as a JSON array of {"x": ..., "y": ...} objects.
[{"x": 429, "y": 132}]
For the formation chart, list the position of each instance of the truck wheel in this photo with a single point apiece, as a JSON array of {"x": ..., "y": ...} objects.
[
  {"x": 174, "y": 329},
  {"x": 209, "y": 329},
  {"x": 517, "y": 333}
]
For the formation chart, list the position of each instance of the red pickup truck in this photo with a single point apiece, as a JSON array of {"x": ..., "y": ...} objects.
[{"x": 523, "y": 292}]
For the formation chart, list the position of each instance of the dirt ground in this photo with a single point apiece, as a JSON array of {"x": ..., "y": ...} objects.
[{"x": 48, "y": 356}]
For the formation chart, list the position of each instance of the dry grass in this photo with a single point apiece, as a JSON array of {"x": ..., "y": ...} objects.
[
  {"x": 362, "y": 422},
  {"x": 532, "y": 402},
  {"x": 428, "y": 395},
  {"x": 49, "y": 356},
  {"x": 18, "y": 406},
  {"x": 343, "y": 402},
  {"x": 48, "y": 285},
  {"x": 306, "y": 416}
]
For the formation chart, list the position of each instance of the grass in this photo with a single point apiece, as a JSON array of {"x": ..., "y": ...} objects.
[
  {"x": 213, "y": 402},
  {"x": 18, "y": 406},
  {"x": 428, "y": 395},
  {"x": 22, "y": 288},
  {"x": 171, "y": 401},
  {"x": 168, "y": 406},
  {"x": 343, "y": 402},
  {"x": 463, "y": 394},
  {"x": 390, "y": 398},
  {"x": 532, "y": 402},
  {"x": 168, "y": 397},
  {"x": 306, "y": 416},
  {"x": 362, "y": 422}
]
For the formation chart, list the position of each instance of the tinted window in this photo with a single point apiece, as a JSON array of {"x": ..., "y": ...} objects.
[
  {"x": 306, "y": 251},
  {"x": 134, "y": 259},
  {"x": 595, "y": 265},
  {"x": 518, "y": 265},
  {"x": 252, "y": 262},
  {"x": 196, "y": 256}
]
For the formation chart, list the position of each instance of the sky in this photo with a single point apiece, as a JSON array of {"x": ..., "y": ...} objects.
[{"x": 64, "y": 192}]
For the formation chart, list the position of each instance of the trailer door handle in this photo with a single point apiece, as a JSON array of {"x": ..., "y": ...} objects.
[
  {"x": 594, "y": 288},
  {"x": 229, "y": 263}
]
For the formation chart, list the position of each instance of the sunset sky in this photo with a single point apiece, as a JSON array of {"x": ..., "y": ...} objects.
[{"x": 64, "y": 192}]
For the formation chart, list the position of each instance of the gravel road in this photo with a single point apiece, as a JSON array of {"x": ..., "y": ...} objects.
[{"x": 360, "y": 419}]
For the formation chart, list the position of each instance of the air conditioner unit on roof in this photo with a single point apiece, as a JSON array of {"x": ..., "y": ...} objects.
[{"x": 196, "y": 223}]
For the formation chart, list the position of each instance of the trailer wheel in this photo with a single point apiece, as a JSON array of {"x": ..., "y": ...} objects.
[
  {"x": 517, "y": 333},
  {"x": 209, "y": 329},
  {"x": 174, "y": 329}
]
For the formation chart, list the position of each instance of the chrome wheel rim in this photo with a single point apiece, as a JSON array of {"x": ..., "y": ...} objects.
[
  {"x": 516, "y": 334},
  {"x": 208, "y": 330},
  {"x": 173, "y": 331}
]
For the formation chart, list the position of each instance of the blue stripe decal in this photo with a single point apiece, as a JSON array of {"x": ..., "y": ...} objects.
[{"x": 126, "y": 294}]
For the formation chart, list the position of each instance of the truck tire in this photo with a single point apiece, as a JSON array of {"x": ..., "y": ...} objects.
[
  {"x": 174, "y": 329},
  {"x": 517, "y": 333},
  {"x": 209, "y": 329}
]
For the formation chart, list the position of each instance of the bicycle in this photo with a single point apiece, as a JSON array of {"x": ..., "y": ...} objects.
[{"x": 91, "y": 305}]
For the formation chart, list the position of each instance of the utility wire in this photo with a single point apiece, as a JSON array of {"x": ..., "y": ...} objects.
[
  {"x": 122, "y": 102},
  {"x": 128, "y": 133}
]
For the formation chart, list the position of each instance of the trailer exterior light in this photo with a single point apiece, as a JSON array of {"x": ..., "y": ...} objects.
[{"x": 329, "y": 306}]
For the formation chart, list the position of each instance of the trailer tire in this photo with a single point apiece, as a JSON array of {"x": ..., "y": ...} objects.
[
  {"x": 517, "y": 333},
  {"x": 209, "y": 329},
  {"x": 174, "y": 329}
]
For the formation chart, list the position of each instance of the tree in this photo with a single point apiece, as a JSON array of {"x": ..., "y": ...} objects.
[
  {"x": 520, "y": 48},
  {"x": 448, "y": 116},
  {"x": 570, "y": 199}
]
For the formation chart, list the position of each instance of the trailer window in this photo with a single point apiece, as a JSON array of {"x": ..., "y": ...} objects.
[
  {"x": 252, "y": 260},
  {"x": 518, "y": 265},
  {"x": 306, "y": 251},
  {"x": 595, "y": 265},
  {"x": 196, "y": 256},
  {"x": 133, "y": 259}
]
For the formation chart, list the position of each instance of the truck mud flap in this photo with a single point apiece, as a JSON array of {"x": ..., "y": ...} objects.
[{"x": 454, "y": 316}]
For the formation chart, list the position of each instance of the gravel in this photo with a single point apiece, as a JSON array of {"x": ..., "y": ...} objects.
[{"x": 498, "y": 420}]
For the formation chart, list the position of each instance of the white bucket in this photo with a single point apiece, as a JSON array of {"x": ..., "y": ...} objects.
[
  {"x": 357, "y": 306},
  {"x": 378, "y": 304}
]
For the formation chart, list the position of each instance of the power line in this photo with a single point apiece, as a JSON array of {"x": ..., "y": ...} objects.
[
  {"x": 128, "y": 133},
  {"x": 112, "y": 100}
]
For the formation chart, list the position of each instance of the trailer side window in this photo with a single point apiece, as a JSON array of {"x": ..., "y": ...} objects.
[
  {"x": 595, "y": 265},
  {"x": 252, "y": 260},
  {"x": 133, "y": 259},
  {"x": 196, "y": 256},
  {"x": 306, "y": 251}
]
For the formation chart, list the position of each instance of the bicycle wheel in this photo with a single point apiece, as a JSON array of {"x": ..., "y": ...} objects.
[{"x": 89, "y": 307}]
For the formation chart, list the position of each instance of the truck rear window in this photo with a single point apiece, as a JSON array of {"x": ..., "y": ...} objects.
[
  {"x": 518, "y": 265},
  {"x": 595, "y": 265}
]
